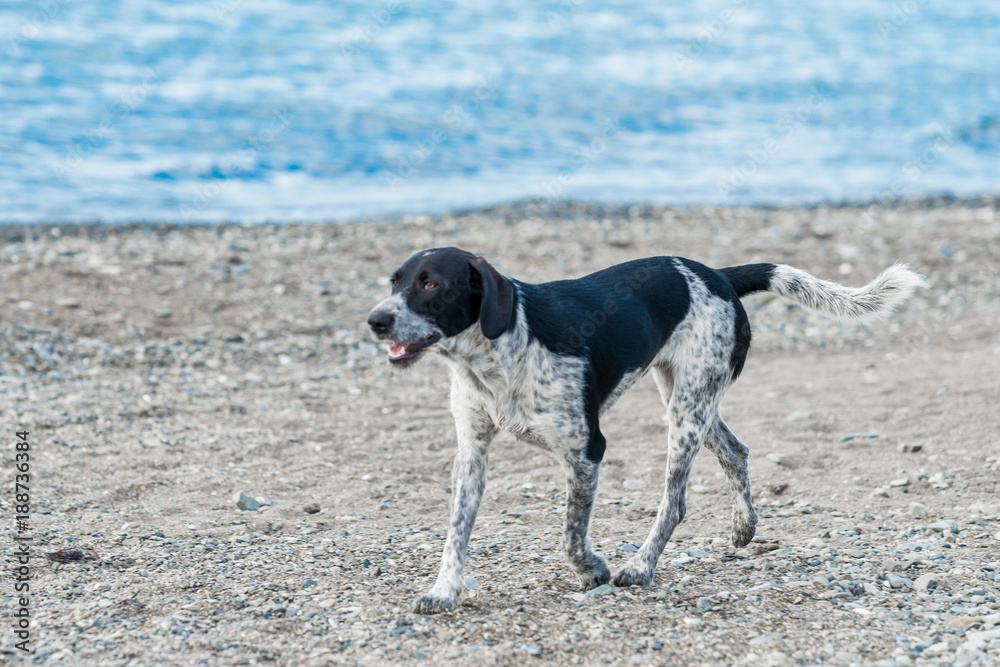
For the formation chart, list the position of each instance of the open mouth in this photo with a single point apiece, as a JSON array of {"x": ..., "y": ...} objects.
[{"x": 403, "y": 352}]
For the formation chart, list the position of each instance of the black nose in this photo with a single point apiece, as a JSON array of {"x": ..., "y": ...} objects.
[{"x": 380, "y": 321}]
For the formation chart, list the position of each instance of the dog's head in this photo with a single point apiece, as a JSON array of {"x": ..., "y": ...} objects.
[{"x": 437, "y": 294}]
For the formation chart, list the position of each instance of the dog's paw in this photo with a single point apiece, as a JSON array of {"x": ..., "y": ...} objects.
[
  {"x": 433, "y": 604},
  {"x": 743, "y": 534},
  {"x": 598, "y": 575},
  {"x": 632, "y": 576},
  {"x": 744, "y": 527}
]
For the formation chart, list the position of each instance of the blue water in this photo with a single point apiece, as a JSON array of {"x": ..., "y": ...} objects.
[{"x": 248, "y": 110}]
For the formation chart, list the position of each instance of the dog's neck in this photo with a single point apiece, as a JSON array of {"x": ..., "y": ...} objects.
[{"x": 490, "y": 363}]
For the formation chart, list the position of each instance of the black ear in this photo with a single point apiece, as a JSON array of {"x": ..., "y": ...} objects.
[{"x": 496, "y": 312}]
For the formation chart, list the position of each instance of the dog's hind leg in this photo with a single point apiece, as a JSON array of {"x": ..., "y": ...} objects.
[
  {"x": 475, "y": 431},
  {"x": 733, "y": 455},
  {"x": 691, "y": 412},
  {"x": 581, "y": 487}
]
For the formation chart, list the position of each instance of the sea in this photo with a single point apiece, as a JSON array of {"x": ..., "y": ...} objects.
[{"x": 257, "y": 111}]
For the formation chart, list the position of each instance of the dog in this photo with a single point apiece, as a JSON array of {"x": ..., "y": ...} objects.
[{"x": 544, "y": 361}]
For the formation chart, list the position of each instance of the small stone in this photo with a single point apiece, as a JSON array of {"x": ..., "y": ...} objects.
[
  {"x": 949, "y": 527},
  {"x": 797, "y": 416},
  {"x": 855, "y": 553},
  {"x": 309, "y": 582},
  {"x": 245, "y": 502},
  {"x": 925, "y": 582},
  {"x": 471, "y": 583},
  {"x": 774, "y": 458},
  {"x": 897, "y": 581},
  {"x": 910, "y": 448},
  {"x": 579, "y": 597},
  {"x": 528, "y": 485},
  {"x": 699, "y": 488},
  {"x": 902, "y": 481},
  {"x": 918, "y": 509},
  {"x": 531, "y": 649},
  {"x": 880, "y": 492},
  {"x": 815, "y": 543},
  {"x": 311, "y": 508},
  {"x": 629, "y": 548},
  {"x": 25, "y": 305},
  {"x": 697, "y": 553},
  {"x": 366, "y": 477},
  {"x": 633, "y": 484},
  {"x": 606, "y": 589},
  {"x": 935, "y": 649},
  {"x": 983, "y": 635},
  {"x": 940, "y": 480},
  {"x": 68, "y": 302},
  {"x": 703, "y": 604}
]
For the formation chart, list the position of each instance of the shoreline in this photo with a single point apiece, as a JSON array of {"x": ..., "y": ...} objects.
[{"x": 549, "y": 209}]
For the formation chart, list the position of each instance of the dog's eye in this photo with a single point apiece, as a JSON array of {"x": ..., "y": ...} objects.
[
  {"x": 429, "y": 284},
  {"x": 394, "y": 281}
]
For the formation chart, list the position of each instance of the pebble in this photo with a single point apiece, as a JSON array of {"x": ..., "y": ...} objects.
[
  {"x": 605, "y": 589},
  {"x": 815, "y": 543},
  {"x": 897, "y": 581},
  {"x": 774, "y": 458},
  {"x": 947, "y": 526},
  {"x": 471, "y": 583},
  {"x": 245, "y": 502},
  {"x": 918, "y": 509},
  {"x": 984, "y": 635},
  {"x": 902, "y": 481},
  {"x": 311, "y": 508}
]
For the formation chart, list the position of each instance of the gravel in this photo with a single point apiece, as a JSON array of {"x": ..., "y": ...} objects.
[{"x": 263, "y": 380}]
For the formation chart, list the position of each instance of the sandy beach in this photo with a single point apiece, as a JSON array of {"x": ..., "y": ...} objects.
[{"x": 160, "y": 370}]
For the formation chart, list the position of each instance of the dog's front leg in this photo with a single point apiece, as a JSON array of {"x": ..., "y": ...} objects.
[
  {"x": 468, "y": 479},
  {"x": 581, "y": 486}
]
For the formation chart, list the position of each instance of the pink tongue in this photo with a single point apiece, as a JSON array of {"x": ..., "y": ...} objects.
[{"x": 397, "y": 350}]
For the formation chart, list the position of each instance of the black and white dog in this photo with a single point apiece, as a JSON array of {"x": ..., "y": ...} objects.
[{"x": 544, "y": 361}]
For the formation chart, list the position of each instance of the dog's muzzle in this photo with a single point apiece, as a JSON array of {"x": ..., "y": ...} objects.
[{"x": 400, "y": 352}]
